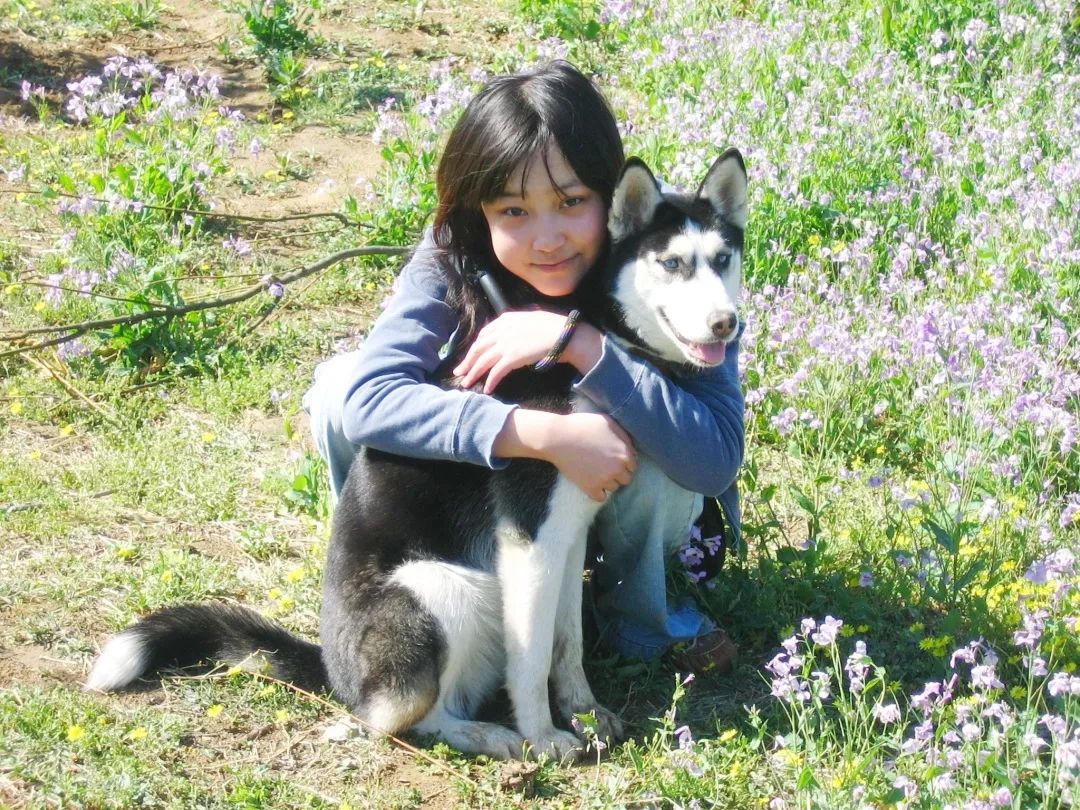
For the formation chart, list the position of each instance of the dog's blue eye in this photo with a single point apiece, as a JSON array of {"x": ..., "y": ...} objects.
[
  {"x": 671, "y": 264},
  {"x": 723, "y": 260}
]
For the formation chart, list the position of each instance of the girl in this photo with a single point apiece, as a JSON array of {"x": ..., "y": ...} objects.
[{"x": 524, "y": 187}]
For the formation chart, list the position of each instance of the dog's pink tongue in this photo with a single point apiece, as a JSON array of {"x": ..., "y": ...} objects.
[{"x": 710, "y": 353}]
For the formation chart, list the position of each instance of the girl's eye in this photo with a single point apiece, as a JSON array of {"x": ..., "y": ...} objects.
[
  {"x": 514, "y": 211},
  {"x": 573, "y": 202},
  {"x": 671, "y": 264}
]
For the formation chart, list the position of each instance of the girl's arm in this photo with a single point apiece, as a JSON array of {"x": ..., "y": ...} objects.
[
  {"x": 691, "y": 425},
  {"x": 395, "y": 403}
]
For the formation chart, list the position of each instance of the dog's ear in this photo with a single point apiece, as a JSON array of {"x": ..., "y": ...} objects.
[
  {"x": 725, "y": 188},
  {"x": 635, "y": 201}
]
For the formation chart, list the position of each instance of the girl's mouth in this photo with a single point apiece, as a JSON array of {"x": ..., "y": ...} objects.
[{"x": 554, "y": 267}]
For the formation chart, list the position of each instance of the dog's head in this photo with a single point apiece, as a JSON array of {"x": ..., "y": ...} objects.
[{"x": 677, "y": 261}]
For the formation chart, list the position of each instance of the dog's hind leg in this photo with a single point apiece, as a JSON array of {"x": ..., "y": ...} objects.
[
  {"x": 383, "y": 653},
  {"x": 573, "y": 695},
  {"x": 531, "y": 574},
  {"x": 466, "y": 603}
]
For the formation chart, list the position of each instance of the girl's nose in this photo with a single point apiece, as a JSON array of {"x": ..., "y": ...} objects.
[{"x": 548, "y": 237}]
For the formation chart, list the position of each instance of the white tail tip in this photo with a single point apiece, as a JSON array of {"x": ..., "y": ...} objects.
[{"x": 121, "y": 662}]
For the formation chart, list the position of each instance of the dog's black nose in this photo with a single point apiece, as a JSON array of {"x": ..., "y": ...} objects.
[{"x": 724, "y": 325}]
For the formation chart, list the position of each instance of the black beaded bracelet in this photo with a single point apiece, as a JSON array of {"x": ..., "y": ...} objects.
[{"x": 560, "y": 344}]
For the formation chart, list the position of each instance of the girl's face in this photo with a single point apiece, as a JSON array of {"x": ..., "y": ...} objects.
[{"x": 548, "y": 239}]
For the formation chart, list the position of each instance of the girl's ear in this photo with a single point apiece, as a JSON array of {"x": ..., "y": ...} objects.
[
  {"x": 725, "y": 188},
  {"x": 635, "y": 200}
]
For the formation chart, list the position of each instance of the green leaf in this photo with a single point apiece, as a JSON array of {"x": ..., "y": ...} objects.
[
  {"x": 967, "y": 186},
  {"x": 943, "y": 538},
  {"x": 892, "y": 797},
  {"x": 806, "y": 779}
]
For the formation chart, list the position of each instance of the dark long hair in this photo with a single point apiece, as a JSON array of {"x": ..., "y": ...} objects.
[{"x": 511, "y": 119}]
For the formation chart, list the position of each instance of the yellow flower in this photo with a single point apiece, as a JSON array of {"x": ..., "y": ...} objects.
[
  {"x": 728, "y": 735},
  {"x": 127, "y": 552},
  {"x": 281, "y": 716},
  {"x": 35, "y": 455},
  {"x": 138, "y": 733},
  {"x": 208, "y": 437},
  {"x": 39, "y": 306},
  {"x": 215, "y": 710},
  {"x": 67, "y": 430},
  {"x": 16, "y": 408},
  {"x": 75, "y": 733},
  {"x": 167, "y": 576},
  {"x": 297, "y": 574},
  {"x": 814, "y": 239}
]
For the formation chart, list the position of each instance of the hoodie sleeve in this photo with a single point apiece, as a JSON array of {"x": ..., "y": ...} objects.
[
  {"x": 395, "y": 403},
  {"x": 691, "y": 425}
]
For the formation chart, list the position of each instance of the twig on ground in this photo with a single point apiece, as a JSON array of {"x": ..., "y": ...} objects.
[
  {"x": 68, "y": 386},
  {"x": 77, "y": 329}
]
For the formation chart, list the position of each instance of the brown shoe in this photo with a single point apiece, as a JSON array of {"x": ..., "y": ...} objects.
[{"x": 712, "y": 652}]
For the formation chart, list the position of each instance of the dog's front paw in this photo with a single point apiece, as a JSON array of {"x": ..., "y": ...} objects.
[
  {"x": 562, "y": 746},
  {"x": 598, "y": 723}
]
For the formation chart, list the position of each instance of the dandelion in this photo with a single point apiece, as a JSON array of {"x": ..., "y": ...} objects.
[
  {"x": 136, "y": 734},
  {"x": 75, "y": 733},
  {"x": 215, "y": 710}
]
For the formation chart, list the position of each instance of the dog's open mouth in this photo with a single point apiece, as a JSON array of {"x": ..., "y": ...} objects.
[{"x": 707, "y": 354}]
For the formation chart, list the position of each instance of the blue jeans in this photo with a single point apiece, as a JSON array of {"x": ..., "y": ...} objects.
[{"x": 639, "y": 530}]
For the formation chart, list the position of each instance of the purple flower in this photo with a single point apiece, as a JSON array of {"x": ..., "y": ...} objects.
[
  {"x": 1029, "y": 635},
  {"x": 866, "y": 579},
  {"x": 240, "y": 246},
  {"x": 686, "y": 739},
  {"x": 886, "y": 713},
  {"x": 1062, "y": 683},
  {"x": 274, "y": 287},
  {"x": 924, "y": 700},
  {"x": 827, "y": 632}
]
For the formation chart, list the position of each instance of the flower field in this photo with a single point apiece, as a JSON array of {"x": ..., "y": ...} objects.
[{"x": 185, "y": 195}]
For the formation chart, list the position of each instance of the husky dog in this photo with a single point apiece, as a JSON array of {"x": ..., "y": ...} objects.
[{"x": 445, "y": 581}]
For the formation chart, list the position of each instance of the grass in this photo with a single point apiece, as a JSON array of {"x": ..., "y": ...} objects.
[{"x": 910, "y": 368}]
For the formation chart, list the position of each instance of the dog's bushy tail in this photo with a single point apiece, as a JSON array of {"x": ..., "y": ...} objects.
[{"x": 210, "y": 633}]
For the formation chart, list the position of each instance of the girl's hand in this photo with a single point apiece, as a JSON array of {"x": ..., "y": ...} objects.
[
  {"x": 588, "y": 448},
  {"x": 512, "y": 340},
  {"x": 518, "y": 339},
  {"x": 594, "y": 452}
]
